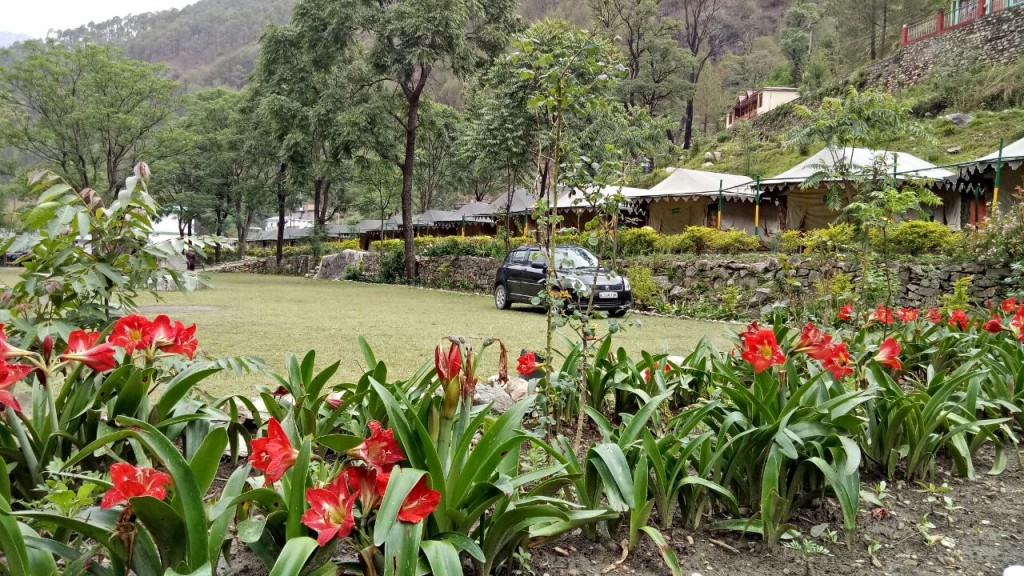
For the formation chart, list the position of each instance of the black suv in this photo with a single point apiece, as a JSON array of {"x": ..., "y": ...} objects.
[{"x": 522, "y": 275}]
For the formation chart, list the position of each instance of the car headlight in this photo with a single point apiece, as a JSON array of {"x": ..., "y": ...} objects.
[{"x": 625, "y": 283}]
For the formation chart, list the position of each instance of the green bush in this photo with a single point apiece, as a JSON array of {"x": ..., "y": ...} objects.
[
  {"x": 675, "y": 244},
  {"x": 790, "y": 241},
  {"x": 700, "y": 238},
  {"x": 638, "y": 241},
  {"x": 646, "y": 292},
  {"x": 916, "y": 237},
  {"x": 836, "y": 238},
  {"x": 732, "y": 241}
]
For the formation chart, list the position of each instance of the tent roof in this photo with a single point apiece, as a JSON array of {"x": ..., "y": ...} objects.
[
  {"x": 364, "y": 226},
  {"x": 575, "y": 200},
  {"x": 339, "y": 230},
  {"x": 431, "y": 217},
  {"x": 684, "y": 182},
  {"x": 476, "y": 211},
  {"x": 1013, "y": 156},
  {"x": 908, "y": 167},
  {"x": 522, "y": 202}
]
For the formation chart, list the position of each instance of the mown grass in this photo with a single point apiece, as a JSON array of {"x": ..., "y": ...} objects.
[{"x": 271, "y": 316}]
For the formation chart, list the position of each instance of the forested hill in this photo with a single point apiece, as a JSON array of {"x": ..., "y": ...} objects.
[{"x": 211, "y": 42}]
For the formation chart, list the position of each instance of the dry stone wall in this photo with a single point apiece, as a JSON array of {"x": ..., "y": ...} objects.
[{"x": 995, "y": 39}]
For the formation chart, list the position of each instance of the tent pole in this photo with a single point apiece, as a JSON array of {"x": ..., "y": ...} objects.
[
  {"x": 719, "y": 204},
  {"x": 757, "y": 209},
  {"x": 999, "y": 173}
]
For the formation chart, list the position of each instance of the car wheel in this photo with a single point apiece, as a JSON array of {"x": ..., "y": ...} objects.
[{"x": 501, "y": 299}]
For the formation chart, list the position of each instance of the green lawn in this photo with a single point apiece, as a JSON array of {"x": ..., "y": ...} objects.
[{"x": 270, "y": 316}]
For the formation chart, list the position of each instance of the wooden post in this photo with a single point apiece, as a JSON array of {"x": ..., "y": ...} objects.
[
  {"x": 905, "y": 36},
  {"x": 999, "y": 173},
  {"x": 981, "y": 8},
  {"x": 757, "y": 210}
]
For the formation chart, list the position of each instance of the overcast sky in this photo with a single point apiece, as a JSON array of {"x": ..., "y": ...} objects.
[{"x": 35, "y": 17}]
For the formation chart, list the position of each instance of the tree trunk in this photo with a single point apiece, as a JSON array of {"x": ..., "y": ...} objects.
[
  {"x": 688, "y": 125},
  {"x": 282, "y": 197},
  {"x": 241, "y": 226},
  {"x": 408, "y": 168}
]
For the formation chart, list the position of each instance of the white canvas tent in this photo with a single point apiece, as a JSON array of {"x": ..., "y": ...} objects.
[
  {"x": 685, "y": 196},
  {"x": 807, "y": 207},
  {"x": 982, "y": 173}
]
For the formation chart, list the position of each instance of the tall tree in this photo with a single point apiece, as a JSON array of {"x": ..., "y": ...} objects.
[
  {"x": 437, "y": 177},
  {"x": 89, "y": 112},
  {"x": 702, "y": 35},
  {"x": 408, "y": 40},
  {"x": 796, "y": 37},
  {"x": 657, "y": 66}
]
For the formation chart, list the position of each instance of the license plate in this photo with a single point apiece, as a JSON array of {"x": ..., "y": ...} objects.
[{"x": 608, "y": 295}]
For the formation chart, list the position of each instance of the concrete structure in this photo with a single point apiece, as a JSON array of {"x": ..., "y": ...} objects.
[{"x": 756, "y": 102}]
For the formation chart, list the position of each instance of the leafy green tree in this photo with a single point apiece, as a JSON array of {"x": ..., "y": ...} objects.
[
  {"x": 437, "y": 174},
  {"x": 407, "y": 40},
  {"x": 378, "y": 186},
  {"x": 88, "y": 112},
  {"x": 658, "y": 68},
  {"x": 796, "y": 36}
]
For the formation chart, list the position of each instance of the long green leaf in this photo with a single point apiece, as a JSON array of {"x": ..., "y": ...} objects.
[{"x": 293, "y": 556}]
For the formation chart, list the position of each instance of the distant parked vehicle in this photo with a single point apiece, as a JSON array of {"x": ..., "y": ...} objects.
[{"x": 522, "y": 276}]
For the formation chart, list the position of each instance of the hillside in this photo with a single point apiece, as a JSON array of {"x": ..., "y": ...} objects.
[
  {"x": 214, "y": 42},
  {"x": 211, "y": 42}
]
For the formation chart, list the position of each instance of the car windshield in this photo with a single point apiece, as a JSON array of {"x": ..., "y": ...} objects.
[{"x": 571, "y": 258}]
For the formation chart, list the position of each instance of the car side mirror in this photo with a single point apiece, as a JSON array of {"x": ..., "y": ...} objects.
[{"x": 538, "y": 265}]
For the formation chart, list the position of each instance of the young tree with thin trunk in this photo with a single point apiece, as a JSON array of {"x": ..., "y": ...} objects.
[{"x": 702, "y": 20}]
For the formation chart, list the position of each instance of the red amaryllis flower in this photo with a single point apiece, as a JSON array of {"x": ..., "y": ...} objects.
[
  {"x": 934, "y": 315},
  {"x": 9, "y": 351},
  {"x": 183, "y": 341},
  {"x": 131, "y": 333},
  {"x": 1010, "y": 304},
  {"x": 811, "y": 337},
  {"x": 846, "y": 312},
  {"x": 9, "y": 374},
  {"x": 82, "y": 348},
  {"x": 670, "y": 363},
  {"x": 420, "y": 502},
  {"x": 273, "y": 454},
  {"x": 367, "y": 484},
  {"x": 447, "y": 365},
  {"x": 888, "y": 354},
  {"x": 527, "y": 364},
  {"x": 838, "y": 361},
  {"x": 1017, "y": 324},
  {"x": 881, "y": 314},
  {"x": 379, "y": 450},
  {"x": 994, "y": 325},
  {"x": 132, "y": 482},
  {"x": 908, "y": 315},
  {"x": 752, "y": 329},
  {"x": 330, "y": 511},
  {"x": 959, "y": 318},
  {"x": 762, "y": 350}
]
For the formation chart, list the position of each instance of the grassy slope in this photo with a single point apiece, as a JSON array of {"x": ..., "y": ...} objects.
[
  {"x": 269, "y": 316},
  {"x": 766, "y": 154}
]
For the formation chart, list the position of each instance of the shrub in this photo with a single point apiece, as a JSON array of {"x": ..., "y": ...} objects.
[
  {"x": 733, "y": 241},
  {"x": 700, "y": 238},
  {"x": 646, "y": 292},
  {"x": 917, "y": 237},
  {"x": 638, "y": 241},
  {"x": 835, "y": 238},
  {"x": 790, "y": 241},
  {"x": 674, "y": 244}
]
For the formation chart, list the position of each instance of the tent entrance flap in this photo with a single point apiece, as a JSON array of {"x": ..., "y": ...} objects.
[
  {"x": 675, "y": 215},
  {"x": 808, "y": 211}
]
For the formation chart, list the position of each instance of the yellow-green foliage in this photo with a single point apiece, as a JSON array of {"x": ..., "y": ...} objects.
[
  {"x": 835, "y": 238},
  {"x": 791, "y": 241},
  {"x": 916, "y": 237},
  {"x": 960, "y": 299},
  {"x": 638, "y": 241},
  {"x": 645, "y": 290},
  {"x": 700, "y": 239},
  {"x": 733, "y": 241}
]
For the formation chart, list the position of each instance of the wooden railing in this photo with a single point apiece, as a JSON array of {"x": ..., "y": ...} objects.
[{"x": 967, "y": 12}]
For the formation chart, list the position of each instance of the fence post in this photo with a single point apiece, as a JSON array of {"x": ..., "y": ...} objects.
[
  {"x": 905, "y": 36},
  {"x": 940, "y": 21},
  {"x": 981, "y": 8}
]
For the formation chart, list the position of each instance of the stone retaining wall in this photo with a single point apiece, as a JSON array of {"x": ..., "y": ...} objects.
[
  {"x": 469, "y": 273},
  {"x": 920, "y": 285},
  {"x": 995, "y": 39}
]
